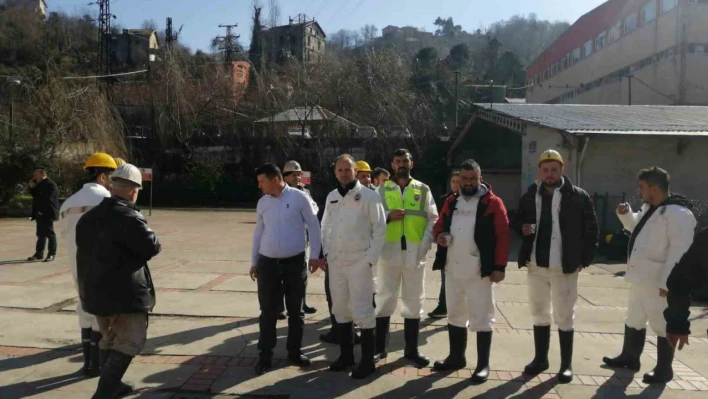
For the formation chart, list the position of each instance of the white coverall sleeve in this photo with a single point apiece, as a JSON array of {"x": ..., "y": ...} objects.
[
  {"x": 257, "y": 236},
  {"x": 377, "y": 221},
  {"x": 679, "y": 230},
  {"x": 325, "y": 228},
  {"x": 630, "y": 219},
  {"x": 309, "y": 215},
  {"x": 428, "y": 236}
]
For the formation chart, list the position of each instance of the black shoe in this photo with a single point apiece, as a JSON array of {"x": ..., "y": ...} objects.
[
  {"x": 366, "y": 366},
  {"x": 329, "y": 337},
  {"x": 663, "y": 372},
  {"x": 411, "y": 328},
  {"x": 632, "y": 349},
  {"x": 383, "y": 325},
  {"x": 262, "y": 366},
  {"x": 50, "y": 258},
  {"x": 282, "y": 316},
  {"x": 439, "y": 312},
  {"x": 309, "y": 309},
  {"x": 299, "y": 359},
  {"x": 86, "y": 350},
  {"x": 95, "y": 355},
  {"x": 565, "y": 374},
  {"x": 484, "y": 346},
  {"x": 458, "y": 346},
  {"x": 541, "y": 341},
  {"x": 110, "y": 384},
  {"x": 35, "y": 257},
  {"x": 345, "y": 333}
]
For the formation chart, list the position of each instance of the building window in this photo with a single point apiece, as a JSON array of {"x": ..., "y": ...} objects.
[
  {"x": 600, "y": 41},
  {"x": 564, "y": 62},
  {"x": 668, "y": 5},
  {"x": 615, "y": 32},
  {"x": 576, "y": 55},
  {"x": 630, "y": 24},
  {"x": 649, "y": 12},
  {"x": 587, "y": 49}
]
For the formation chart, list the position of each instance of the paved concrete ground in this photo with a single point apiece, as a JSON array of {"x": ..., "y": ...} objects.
[{"x": 203, "y": 333}]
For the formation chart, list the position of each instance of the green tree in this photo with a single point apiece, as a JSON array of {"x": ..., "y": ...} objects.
[
  {"x": 459, "y": 56},
  {"x": 257, "y": 51}
]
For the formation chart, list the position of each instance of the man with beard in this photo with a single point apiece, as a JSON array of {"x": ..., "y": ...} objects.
[
  {"x": 99, "y": 167},
  {"x": 440, "y": 312},
  {"x": 292, "y": 174},
  {"x": 662, "y": 231},
  {"x": 410, "y": 216},
  {"x": 560, "y": 238},
  {"x": 473, "y": 244},
  {"x": 353, "y": 230}
]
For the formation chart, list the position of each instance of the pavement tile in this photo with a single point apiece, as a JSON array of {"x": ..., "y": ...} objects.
[
  {"x": 504, "y": 375},
  {"x": 587, "y": 380},
  {"x": 464, "y": 373},
  {"x": 687, "y": 385},
  {"x": 425, "y": 372},
  {"x": 702, "y": 386}
]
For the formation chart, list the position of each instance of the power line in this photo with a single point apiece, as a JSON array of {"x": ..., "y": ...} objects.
[
  {"x": 105, "y": 76},
  {"x": 654, "y": 90}
]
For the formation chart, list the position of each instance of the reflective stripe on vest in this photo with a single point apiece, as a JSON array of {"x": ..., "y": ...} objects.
[{"x": 415, "y": 206}]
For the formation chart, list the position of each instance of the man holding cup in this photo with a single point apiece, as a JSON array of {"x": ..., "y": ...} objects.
[
  {"x": 473, "y": 244},
  {"x": 560, "y": 238}
]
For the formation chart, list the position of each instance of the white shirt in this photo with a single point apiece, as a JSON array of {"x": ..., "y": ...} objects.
[
  {"x": 464, "y": 219},
  {"x": 90, "y": 195},
  {"x": 415, "y": 253},
  {"x": 280, "y": 227},
  {"x": 555, "y": 259},
  {"x": 353, "y": 225}
]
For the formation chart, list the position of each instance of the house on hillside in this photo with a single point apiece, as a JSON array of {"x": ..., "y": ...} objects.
[
  {"x": 304, "y": 41},
  {"x": 305, "y": 122},
  {"x": 133, "y": 49},
  {"x": 38, "y": 6}
]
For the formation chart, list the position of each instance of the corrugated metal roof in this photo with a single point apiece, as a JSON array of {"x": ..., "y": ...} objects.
[
  {"x": 300, "y": 114},
  {"x": 611, "y": 119}
]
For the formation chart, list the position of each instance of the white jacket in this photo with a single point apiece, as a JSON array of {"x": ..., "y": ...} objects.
[
  {"x": 353, "y": 226},
  {"x": 660, "y": 244},
  {"x": 90, "y": 195}
]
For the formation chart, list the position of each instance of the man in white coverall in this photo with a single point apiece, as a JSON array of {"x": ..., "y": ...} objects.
[
  {"x": 99, "y": 167},
  {"x": 410, "y": 216},
  {"x": 353, "y": 225},
  {"x": 662, "y": 231},
  {"x": 473, "y": 245}
]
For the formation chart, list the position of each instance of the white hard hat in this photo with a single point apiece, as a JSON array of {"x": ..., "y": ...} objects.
[
  {"x": 292, "y": 166},
  {"x": 130, "y": 173}
]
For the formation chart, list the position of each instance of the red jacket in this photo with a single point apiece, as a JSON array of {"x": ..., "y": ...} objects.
[{"x": 491, "y": 233}]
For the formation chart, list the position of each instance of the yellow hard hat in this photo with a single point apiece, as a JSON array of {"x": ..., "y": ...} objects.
[
  {"x": 362, "y": 166},
  {"x": 100, "y": 160},
  {"x": 551, "y": 155},
  {"x": 119, "y": 161}
]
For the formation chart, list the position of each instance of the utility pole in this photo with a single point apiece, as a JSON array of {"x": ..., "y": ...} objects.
[
  {"x": 104, "y": 35},
  {"x": 168, "y": 34},
  {"x": 630, "y": 76},
  {"x": 228, "y": 43},
  {"x": 457, "y": 99},
  {"x": 491, "y": 94}
]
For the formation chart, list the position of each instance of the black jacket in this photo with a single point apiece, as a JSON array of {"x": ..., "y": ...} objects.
[
  {"x": 690, "y": 273},
  {"x": 578, "y": 225},
  {"x": 45, "y": 200},
  {"x": 114, "y": 244}
]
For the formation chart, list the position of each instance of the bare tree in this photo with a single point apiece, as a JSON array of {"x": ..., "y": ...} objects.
[
  {"x": 273, "y": 13},
  {"x": 149, "y": 25},
  {"x": 369, "y": 32}
]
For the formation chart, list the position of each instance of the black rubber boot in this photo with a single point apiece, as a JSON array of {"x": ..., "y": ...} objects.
[
  {"x": 366, "y": 366},
  {"x": 440, "y": 312},
  {"x": 103, "y": 355},
  {"x": 95, "y": 354},
  {"x": 458, "y": 346},
  {"x": 86, "y": 350},
  {"x": 565, "y": 374},
  {"x": 632, "y": 349},
  {"x": 484, "y": 346},
  {"x": 541, "y": 342},
  {"x": 663, "y": 372},
  {"x": 383, "y": 325},
  {"x": 110, "y": 385},
  {"x": 411, "y": 329},
  {"x": 345, "y": 335}
]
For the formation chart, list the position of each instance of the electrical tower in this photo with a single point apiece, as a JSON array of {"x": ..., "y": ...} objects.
[
  {"x": 301, "y": 19},
  {"x": 168, "y": 34},
  {"x": 228, "y": 44},
  {"x": 104, "y": 35}
]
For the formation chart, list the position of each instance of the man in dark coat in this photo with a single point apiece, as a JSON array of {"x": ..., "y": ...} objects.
[
  {"x": 45, "y": 210},
  {"x": 114, "y": 244}
]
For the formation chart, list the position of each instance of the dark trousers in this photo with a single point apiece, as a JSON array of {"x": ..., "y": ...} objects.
[
  {"x": 45, "y": 232},
  {"x": 441, "y": 299},
  {"x": 278, "y": 277}
]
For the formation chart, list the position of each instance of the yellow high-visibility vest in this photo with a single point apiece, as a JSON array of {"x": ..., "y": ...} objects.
[{"x": 415, "y": 205}]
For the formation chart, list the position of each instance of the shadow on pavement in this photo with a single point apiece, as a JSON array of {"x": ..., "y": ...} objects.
[
  {"x": 17, "y": 262},
  {"x": 25, "y": 389},
  {"x": 14, "y": 363}
]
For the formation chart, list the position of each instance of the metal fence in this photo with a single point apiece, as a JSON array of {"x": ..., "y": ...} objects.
[{"x": 606, "y": 205}]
